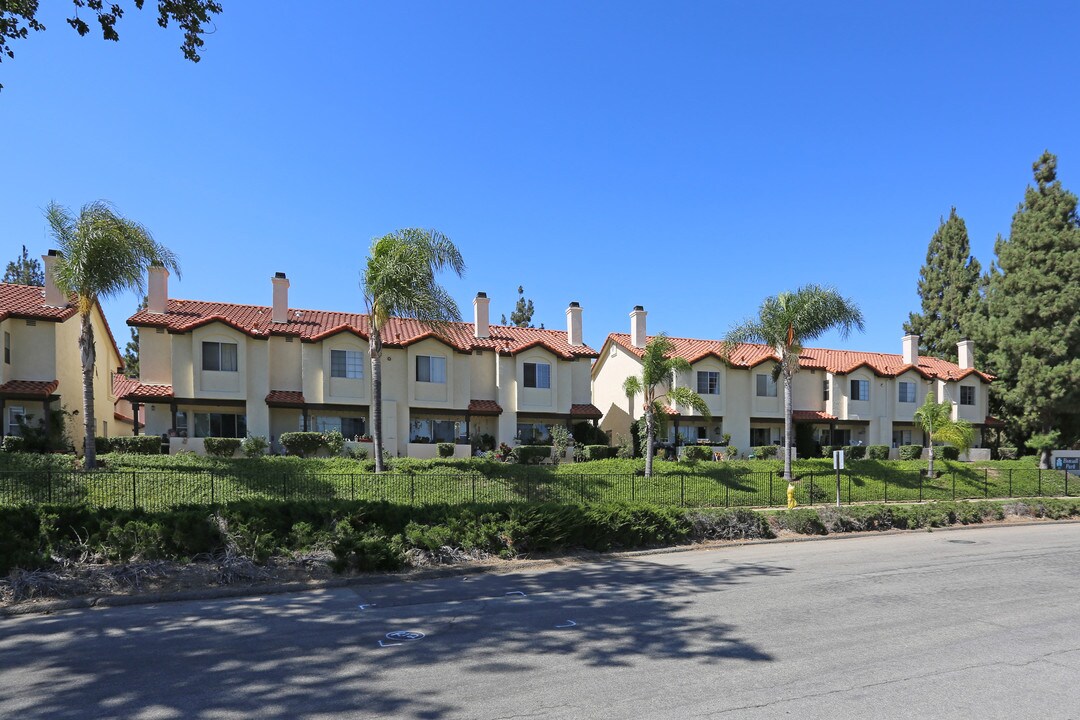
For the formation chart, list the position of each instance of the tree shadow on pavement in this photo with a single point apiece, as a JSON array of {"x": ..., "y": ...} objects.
[{"x": 322, "y": 654}]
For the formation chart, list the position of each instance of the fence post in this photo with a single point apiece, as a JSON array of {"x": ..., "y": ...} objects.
[
  {"x": 727, "y": 495},
  {"x": 211, "y": 487},
  {"x": 682, "y": 489},
  {"x": 412, "y": 489},
  {"x": 986, "y": 485},
  {"x": 811, "y": 488},
  {"x": 581, "y": 489},
  {"x": 352, "y": 486},
  {"x": 986, "y": 477},
  {"x": 134, "y": 501},
  {"x": 1066, "y": 482},
  {"x": 474, "y": 488},
  {"x": 1010, "y": 483},
  {"x": 1040, "y": 482},
  {"x": 633, "y": 491},
  {"x": 920, "y": 486},
  {"x": 954, "y": 487},
  {"x": 770, "y": 489},
  {"x": 886, "y": 489},
  {"x": 849, "y": 488}
]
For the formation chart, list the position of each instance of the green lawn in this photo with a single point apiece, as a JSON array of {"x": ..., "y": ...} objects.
[{"x": 155, "y": 482}]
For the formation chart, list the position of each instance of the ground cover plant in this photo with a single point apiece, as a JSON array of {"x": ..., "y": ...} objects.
[{"x": 158, "y": 481}]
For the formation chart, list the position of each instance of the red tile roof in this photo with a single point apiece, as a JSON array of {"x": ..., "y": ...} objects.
[
  {"x": 314, "y": 325},
  {"x": 126, "y": 388},
  {"x": 586, "y": 411},
  {"x": 747, "y": 355},
  {"x": 28, "y": 302},
  {"x": 811, "y": 416},
  {"x": 484, "y": 407},
  {"x": 29, "y": 388},
  {"x": 285, "y": 398},
  {"x": 992, "y": 421}
]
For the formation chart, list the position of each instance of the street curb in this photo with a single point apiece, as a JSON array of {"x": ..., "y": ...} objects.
[{"x": 419, "y": 575}]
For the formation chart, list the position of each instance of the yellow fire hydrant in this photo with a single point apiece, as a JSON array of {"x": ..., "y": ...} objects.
[{"x": 791, "y": 496}]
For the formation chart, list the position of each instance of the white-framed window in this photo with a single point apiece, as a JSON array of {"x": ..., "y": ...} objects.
[
  {"x": 907, "y": 392},
  {"x": 825, "y": 389},
  {"x": 967, "y": 394},
  {"x": 766, "y": 386},
  {"x": 7, "y": 348},
  {"x": 708, "y": 382},
  {"x": 220, "y": 356},
  {"x": 227, "y": 425},
  {"x": 537, "y": 375},
  {"x": 181, "y": 424},
  {"x": 15, "y": 413},
  {"x": 431, "y": 369},
  {"x": 860, "y": 389},
  {"x": 346, "y": 364}
]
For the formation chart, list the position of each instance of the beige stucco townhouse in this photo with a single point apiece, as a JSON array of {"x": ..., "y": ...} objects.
[
  {"x": 210, "y": 369},
  {"x": 847, "y": 397},
  {"x": 42, "y": 367}
]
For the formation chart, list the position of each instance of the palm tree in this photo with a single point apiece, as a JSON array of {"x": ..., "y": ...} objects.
[
  {"x": 937, "y": 423},
  {"x": 102, "y": 254},
  {"x": 656, "y": 384},
  {"x": 785, "y": 322},
  {"x": 399, "y": 281}
]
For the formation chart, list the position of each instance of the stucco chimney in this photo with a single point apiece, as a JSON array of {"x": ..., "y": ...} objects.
[
  {"x": 157, "y": 295},
  {"x": 573, "y": 324},
  {"x": 480, "y": 315},
  {"x": 911, "y": 349},
  {"x": 53, "y": 296},
  {"x": 281, "y": 298},
  {"x": 965, "y": 353},
  {"x": 637, "y": 327}
]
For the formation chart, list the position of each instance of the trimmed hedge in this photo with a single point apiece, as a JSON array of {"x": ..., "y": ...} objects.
[
  {"x": 301, "y": 443},
  {"x": 910, "y": 452},
  {"x": 854, "y": 452},
  {"x": 692, "y": 453},
  {"x": 254, "y": 446},
  {"x": 598, "y": 452},
  {"x": 877, "y": 452},
  {"x": 221, "y": 447},
  {"x": 532, "y": 454},
  {"x": 948, "y": 452},
  {"x": 129, "y": 444},
  {"x": 13, "y": 443},
  {"x": 446, "y": 450},
  {"x": 764, "y": 452}
]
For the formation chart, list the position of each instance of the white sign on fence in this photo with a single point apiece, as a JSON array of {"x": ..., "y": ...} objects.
[{"x": 838, "y": 459}]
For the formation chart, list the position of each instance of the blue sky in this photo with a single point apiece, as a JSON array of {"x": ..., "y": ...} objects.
[{"x": 689, "y": 157}]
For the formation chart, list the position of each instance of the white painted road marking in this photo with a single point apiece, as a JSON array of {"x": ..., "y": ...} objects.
[
  {"x": 516, "y": 592},
  {"x": 569, "y": 623}
]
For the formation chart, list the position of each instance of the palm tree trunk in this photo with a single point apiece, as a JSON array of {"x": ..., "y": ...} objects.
[
  {"x": 376, "y": 399},
  {"x": 86, "y": 345},
  {"x": 787, "y": 426},
  {"x": 650, "y": 441}
]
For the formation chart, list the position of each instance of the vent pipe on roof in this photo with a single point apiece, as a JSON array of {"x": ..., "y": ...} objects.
[
  {"x": 281, "y": 298},
  {"x": 637, "y": 326},
  {"x": 480, "y": 316},
  {"x": 573, "y": 325},
  {"x": 53, "y": 296},
  {"x": 911, "y": 349},
  {"x": 157, "y": 295},
  {"x": 965, "y": 354}
]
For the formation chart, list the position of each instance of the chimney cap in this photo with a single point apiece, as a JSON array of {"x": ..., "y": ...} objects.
[
  {"x": 481, "y": 294},
  {"x": 55, "y": 253},
  {"x": 638, "y": 307},
  {"x": 575, "y": 303},
  {"x": 279, "y": 275}
]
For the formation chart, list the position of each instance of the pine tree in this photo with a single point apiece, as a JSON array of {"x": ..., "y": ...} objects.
[
  {"x": 1033, "y": 323},
  {"x": 523, "y": 311},
  {"x": 951, "y": 290},
  {"x": 24, "y": 270},
  {"x": 131, "y": 350}
]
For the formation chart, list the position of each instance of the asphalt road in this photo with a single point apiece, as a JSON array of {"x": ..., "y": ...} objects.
[{"x": 951, "y": 624}]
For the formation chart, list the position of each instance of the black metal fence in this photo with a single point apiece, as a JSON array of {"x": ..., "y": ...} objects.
[{"x": 154, "y": 490}]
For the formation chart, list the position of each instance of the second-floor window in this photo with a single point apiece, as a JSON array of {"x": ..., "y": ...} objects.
[
  {"x": 967, "y": 394},
  {"x": 537, "y": 375},
  {"x": 825, "y": 389},
  {"x": 219, "y": 356},
  {"x": 346, "y": 364},
  {"x": 431, "y": 369},
  {"x": 860, "y": 389},
  {"x": 907, "y": 392},
  {"x": 7, "y": 348},
  {"x": 766, "y": 386},
  {"x": 708, "y": 382}
]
